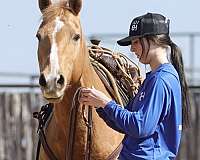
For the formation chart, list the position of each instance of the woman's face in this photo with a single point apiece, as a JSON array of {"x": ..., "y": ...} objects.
[{"x": 141, "y": 53}]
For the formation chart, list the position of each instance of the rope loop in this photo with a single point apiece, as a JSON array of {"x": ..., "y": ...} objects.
[{"x": 122, "y": 74}]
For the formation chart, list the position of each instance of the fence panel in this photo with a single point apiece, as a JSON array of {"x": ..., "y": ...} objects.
[
  {"x": 190, "y": 142},
  {"x": 17, "y": 127}
]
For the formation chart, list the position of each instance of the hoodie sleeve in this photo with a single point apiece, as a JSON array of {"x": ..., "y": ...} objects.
[
  {"x": 107, "y": 120},
  {"x": 100, "y": 111},
  {"x": 150, "y": 103}
]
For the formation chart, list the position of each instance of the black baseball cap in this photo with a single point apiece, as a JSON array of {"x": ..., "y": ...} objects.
[{"x": 148, "y": 24}]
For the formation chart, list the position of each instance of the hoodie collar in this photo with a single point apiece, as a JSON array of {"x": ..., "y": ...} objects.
[{"x": 168, "y": 67}]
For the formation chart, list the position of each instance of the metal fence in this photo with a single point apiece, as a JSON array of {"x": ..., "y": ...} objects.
[{"x": 18, "y": 129}]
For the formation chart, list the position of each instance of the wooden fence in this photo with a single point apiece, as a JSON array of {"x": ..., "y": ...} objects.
[
  {"x": 190, "y": 143},
  {"x": 18, "y": 139}
]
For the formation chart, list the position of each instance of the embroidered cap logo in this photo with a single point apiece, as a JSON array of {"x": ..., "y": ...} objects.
[{"x": 134, "y": 26}]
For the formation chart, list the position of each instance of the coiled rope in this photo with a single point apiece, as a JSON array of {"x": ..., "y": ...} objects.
[{"x": 123, "y": 63}]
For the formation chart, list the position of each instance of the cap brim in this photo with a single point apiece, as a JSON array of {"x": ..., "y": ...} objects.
[{"x": 125, "y": 41}]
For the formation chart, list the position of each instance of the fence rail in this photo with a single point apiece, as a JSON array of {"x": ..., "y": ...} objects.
[
  {"x": 18, "y": 129},
  {"x": 19, "y": 86}
]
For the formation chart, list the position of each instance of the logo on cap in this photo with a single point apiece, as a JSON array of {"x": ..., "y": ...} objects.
[{"x": 134, "y": 26}]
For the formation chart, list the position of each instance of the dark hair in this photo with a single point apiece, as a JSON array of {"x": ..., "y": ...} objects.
[
  {"x": 177, "y": 61},
  {"x": 143, "y": 46}
]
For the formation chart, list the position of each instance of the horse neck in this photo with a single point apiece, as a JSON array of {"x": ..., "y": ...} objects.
[{"x": 89, "y": 76}]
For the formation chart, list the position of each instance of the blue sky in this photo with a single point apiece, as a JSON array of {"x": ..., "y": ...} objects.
[{"x": 20, "y": 20}]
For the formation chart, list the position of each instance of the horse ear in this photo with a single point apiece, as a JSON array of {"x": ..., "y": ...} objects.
[
  {"x": 75, "y": 5},
  {"x": 43, "y": 4}
]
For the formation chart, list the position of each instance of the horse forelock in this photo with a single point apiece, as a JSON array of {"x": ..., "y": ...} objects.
[{"x": 55, "y": 10}]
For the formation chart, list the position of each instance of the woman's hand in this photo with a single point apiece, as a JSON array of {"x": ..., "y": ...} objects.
[{"x": 93, "y": 97}]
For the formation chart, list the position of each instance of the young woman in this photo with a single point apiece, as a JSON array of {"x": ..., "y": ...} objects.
[{"x": 152, "y": 120}]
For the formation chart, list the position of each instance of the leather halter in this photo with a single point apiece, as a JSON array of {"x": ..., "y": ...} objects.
[{"x": 43, "y": 116}]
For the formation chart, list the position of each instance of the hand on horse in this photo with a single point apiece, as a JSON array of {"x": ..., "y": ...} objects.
[{"x": 93, "y": 97}]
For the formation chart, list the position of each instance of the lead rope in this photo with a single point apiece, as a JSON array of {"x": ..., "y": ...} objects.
[
  {"x": 72, "y": 118},
  {"x": 72, "y": 124},
  {"x": 89, "y": 134}
]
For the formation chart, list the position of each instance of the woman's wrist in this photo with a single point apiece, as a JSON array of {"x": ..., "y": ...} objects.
[{"x": 105, "y": 102}]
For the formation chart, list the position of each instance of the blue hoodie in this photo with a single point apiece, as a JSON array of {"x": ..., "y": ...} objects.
[{"x": 152, "y": 120}]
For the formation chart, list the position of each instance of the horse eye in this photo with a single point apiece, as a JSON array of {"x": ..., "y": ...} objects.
[
  {"x": 38, "y": 36},
  {"x": 76, "y": 37}
]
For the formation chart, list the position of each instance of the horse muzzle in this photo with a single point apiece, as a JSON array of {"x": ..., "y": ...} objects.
[{"x": 52, "y": 87}]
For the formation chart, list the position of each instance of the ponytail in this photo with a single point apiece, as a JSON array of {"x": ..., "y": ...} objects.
[{"x": 177, "y": 62}]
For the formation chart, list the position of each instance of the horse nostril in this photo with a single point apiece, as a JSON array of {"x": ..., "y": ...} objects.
[
  {"x": 42, "y": 80},
  {"x": 61, "y": 80}
]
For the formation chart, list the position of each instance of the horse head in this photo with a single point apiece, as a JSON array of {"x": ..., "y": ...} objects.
[{"x": 60, "y": 47}]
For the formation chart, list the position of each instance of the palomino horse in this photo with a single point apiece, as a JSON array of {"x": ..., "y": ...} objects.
[{"x": 65, "y": 67}]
